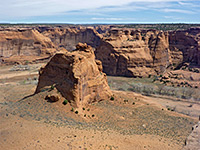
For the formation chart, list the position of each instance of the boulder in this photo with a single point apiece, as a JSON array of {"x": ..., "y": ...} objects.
[{"x": 53, "y": 97}]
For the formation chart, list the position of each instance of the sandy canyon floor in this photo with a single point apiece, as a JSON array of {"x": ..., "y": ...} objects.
[{"x": 130, "y": 122}]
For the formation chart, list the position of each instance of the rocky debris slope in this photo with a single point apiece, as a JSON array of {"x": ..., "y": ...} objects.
[
  {"x": 193, "y": 140},
  {"x": 76, "y": 75},
  {"x": 24, "y": 42}
]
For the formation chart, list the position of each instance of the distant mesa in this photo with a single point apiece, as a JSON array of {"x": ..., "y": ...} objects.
[{"x": 76, "y": 75}]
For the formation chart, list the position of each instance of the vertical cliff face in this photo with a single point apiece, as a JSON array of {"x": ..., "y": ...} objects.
[
  {"x": 134, "y": 52},
  {"x": 26, "y": 42},
  {"x": 185, "y": 46},
  {"x": 77, "y": 76},
  {"x": 69, "y": 37},
  {"x": 123, "y": 51}
]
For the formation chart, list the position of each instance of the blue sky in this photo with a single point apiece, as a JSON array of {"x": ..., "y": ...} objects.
[{"x": 101, "y": 11}]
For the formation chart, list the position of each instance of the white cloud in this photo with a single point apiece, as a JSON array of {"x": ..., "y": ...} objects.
[
  {"x": 27, "y": 8},
  {"x": 178, "y": 11},
  {"x": 112, "y": 19},
  {"x": 173, "y": 17}
]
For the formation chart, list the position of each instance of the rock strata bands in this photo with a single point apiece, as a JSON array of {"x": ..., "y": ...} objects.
[{"x": 122, "y": 51}]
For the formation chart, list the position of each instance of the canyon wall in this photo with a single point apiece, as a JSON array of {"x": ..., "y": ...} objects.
[
  {"x": 185, "y": 46},
  {"x": 24, "y": 42},
  {"x": 69, "y": 37},
  {"x": 123, "y": 51},
  {"x": 128, "y": 52},
  {"x": 134, "y": 52}
]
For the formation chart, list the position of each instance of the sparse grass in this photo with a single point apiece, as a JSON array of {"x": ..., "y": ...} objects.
[{"x": 147, "y": 87}]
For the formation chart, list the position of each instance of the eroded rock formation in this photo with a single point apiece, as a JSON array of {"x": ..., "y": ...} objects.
[
  {"x": 24, "y": 42},
  {"x": 193, "y": 140},
  {"x": 70, "y": 37},
  {"x": 128, "y": 52},
  {"x": 122, "y": 51},
  {"x": 134, "y": 52},
  {"x": 76, "y": 75},
  {"x": 185, "y": 46}
]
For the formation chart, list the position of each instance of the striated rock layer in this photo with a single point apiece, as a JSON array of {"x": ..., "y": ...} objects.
[
  {"x": 129, "y": 52},
  {"x": 70, "y": 37},
  {"x": 25, "y": 42},
  {"x": 134, "y": 52},
  {"x": 122, "y": 51},
  {"x": 185, "y": 46},
  {"x": 76, "y": 75}
]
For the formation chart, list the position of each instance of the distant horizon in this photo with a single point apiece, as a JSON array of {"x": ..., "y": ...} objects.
[{"x": 90, "y": 23}]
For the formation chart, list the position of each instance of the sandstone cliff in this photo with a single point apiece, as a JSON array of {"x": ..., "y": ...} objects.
[
  {"x": 70, "y": 37},
  {"x": 24, "y": 42},
  {"x": 123, "y": 51},
  {"x": 76, "y": 75},
  {"x": 185, "y": 46},
  {"x": 130, "y": 52},
  {"x": 134, "y": 53}
]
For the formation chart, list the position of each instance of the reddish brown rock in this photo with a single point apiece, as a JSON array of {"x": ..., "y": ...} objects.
[
  {"x": 53, "y": 97},
  {"x": 185, "y": 46},
  {"x": 27, "y": 42},
  {"x": 134, "y": 52},
  {"x": 76, "y": 76},
  {"x": 70, "y": 37}
]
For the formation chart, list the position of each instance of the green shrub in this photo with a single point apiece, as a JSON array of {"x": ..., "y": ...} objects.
[
  {"x": 88, "y": 109},
  {"x": 112, "y": 98},
  {"x": 85, "y": 115},
  {"x": 83, "y": 108},
  {"x": 93, "y": 115},
  {"x": 76, "y": 112},
  {"x": 125, "y": 101},
  {"x": 52, "y": 87},
  {"x": 65, "y": 102},
  {"x": 72, "y": 109},
  {"x": 133, "y": 103}
]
